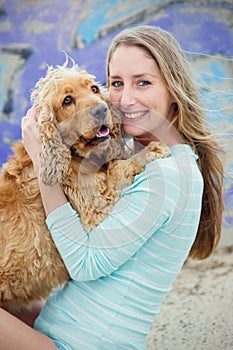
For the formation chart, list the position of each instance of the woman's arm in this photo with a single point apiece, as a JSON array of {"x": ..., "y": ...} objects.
[
  {"x": 134, "y": 219},
  {"x": 15, "y": 334}
]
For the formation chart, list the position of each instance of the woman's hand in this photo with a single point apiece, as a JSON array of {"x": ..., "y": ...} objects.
[{"x": 30, "y": 136}]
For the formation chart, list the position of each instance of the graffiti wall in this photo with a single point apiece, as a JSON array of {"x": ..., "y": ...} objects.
[{"x": 36, "y": 33}]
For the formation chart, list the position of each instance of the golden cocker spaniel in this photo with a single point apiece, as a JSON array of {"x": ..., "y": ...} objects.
[{"x": 83, "y": 149}]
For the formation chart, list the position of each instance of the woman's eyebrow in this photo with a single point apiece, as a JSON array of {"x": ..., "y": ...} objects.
[
  {"x": 135, "y": 76},
  {"x": 114, "y": 77},
  {"x": 145, "y": 73}
]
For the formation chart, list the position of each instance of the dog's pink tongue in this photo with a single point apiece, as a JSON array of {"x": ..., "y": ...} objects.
[{"x": 103, "y": 132}]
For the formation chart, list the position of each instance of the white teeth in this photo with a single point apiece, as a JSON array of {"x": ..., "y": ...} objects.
[{"x": 134, "y": 115}]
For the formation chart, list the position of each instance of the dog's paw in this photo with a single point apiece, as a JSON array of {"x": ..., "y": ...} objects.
[
  {"x": 151, "y": 152},
  {"x": 158, "y": 150}
]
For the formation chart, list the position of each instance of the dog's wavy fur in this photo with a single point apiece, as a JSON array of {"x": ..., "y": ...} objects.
[{"x": 77, "y": 152}]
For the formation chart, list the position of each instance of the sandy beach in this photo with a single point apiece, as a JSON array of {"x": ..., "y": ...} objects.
[{"x": 198, "y": 312}]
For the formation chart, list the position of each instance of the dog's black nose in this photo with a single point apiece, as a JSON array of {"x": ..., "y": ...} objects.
[{"x": 99, "y": 111}]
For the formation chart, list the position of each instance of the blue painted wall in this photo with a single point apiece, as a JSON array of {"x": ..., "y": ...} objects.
[{"x": 34, "y": 33}]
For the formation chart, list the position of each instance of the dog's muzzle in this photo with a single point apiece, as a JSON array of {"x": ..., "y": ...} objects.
[{"x": 99, "y": 112}]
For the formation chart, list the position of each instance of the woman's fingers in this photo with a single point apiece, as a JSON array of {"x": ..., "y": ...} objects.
[
  {"x": 30, "y": 134},
  {"x": 33, "y": 113},
  {"x": 31, "y": 117}
]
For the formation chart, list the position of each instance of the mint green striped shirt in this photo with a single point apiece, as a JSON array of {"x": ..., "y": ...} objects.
[{"x": 122, "y": 270}]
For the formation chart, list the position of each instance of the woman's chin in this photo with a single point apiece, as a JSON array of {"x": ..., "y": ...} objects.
[{"x": 133, "y": 130}]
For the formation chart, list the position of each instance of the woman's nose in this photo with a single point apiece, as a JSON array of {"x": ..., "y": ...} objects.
[{"x": 127, "y": 97}]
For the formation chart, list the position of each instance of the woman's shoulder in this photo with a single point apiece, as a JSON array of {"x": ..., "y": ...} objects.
[
  {"x": 178, "y": 168},
  {"x": 171, "y": 174},
  {"x": 181, "y": 158}
]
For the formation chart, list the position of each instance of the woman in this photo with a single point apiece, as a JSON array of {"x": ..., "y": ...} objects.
[{"x": 121, "y": 272}]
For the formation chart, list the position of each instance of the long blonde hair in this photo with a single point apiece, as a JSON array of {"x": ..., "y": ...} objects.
[{"x": 190, "y": 123}]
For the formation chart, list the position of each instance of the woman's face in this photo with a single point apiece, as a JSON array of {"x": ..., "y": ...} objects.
[{"x": 136, "y": 86}]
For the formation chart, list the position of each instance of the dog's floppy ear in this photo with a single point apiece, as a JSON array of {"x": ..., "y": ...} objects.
[
  {"x": 55, "y": 157},
  {"x": 116, "y": 130}
]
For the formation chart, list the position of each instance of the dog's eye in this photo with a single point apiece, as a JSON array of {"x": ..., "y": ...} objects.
[
  {"x": 95, "y": 89},
  {"x": 67, "y": 101}
]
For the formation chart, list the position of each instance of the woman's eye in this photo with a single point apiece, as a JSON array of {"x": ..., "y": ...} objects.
[
  {"x": 68, "y": 100},
  {"x": 144, "y": 83},
  {"x": 116, "y": 84},
  {"x": 95, "y": 89}
]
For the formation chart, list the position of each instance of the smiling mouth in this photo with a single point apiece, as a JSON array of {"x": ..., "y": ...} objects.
[
  {"x": 102, "y": 135},
  {"x": 135, "y": 115}
]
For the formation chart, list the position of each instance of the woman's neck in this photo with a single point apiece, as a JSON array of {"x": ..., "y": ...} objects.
[{"x": 171, "y": 139}]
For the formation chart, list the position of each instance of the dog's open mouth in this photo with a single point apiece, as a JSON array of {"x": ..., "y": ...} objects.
[{"x": 102, "y": 135}]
